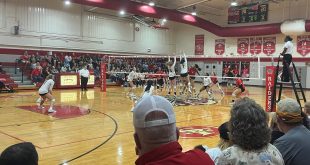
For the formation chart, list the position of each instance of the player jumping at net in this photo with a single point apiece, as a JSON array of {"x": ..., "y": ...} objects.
[
  {"x": 238, "y": 89},
  {"x": 216, "y": 82},
  {"x": 184, "y": 75},
  {"x": 130, "y": 78},
  {"x": 171, "y": 74},
  {"x": 45, "y": 92},
  {"x": 192, "y": 71},
  {"x": 207, "y": 82}
]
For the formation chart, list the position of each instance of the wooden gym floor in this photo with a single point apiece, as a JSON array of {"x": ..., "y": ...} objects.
[{"x": 105, "y": 119}]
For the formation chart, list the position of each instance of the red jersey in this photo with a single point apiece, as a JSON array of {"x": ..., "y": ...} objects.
[
  {"x": 214, "y": 79},
  {"x": 192, "y": 71},
  {"x": 239, "y": 83},
  {"x": 36, "y": 72},
  {"x": 171, "y": 154},
  {"x": 24, "y": 57}
]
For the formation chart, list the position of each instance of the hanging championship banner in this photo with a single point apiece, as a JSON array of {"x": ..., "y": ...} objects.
[
  {"x": 219, "y": 46},
  {"x": 269, "y": 45},
  {"x": 243, "y": 46},
  {"x": 270, "y": 76},
  {"x": 199, "y": 44},
  {"x": 256, "y": 45},
  {"x": 303, "y": 45}
]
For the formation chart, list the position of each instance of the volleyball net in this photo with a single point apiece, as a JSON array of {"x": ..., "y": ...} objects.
[{"x": 117, "y": 68}]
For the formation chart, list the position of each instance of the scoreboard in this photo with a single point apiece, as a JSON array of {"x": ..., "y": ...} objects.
[{"x": 255, "y": 12}]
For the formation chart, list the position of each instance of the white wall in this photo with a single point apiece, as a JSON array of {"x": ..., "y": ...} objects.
[{"x": 50, "y": 24}]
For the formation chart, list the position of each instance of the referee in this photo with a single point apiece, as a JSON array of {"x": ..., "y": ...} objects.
[
  {"x": 287, "y": 58},
  {"x": 84, "y": 74}
]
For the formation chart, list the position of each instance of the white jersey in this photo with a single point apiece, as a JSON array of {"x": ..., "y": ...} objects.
[
  {"x": 184, "y": 68},
  {"x": 172, "y": 69},
  {"x": 47, "y": 86},
  {"x": 289, "y": 46},
  {"x": 132, "y": 75},
  {"x": 149, "y": 92},
  {"x": 207, "y": 81},
  {"x": 84, "y": 73}
]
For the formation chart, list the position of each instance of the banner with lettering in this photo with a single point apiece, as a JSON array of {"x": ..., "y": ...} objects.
[
  {"x": 199, "y": 44},
  {"x": 219, "y": 46},
  {"x": 243, "y": 46},
  {"x": 270, "y": 77},
  {"x": 256, "y": 45},
  {"x": 269, "y": 45},
  {"x": 303, "y": 45}
]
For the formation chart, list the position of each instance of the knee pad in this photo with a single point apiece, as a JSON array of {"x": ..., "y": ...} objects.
[
  {"x": 233, "y": 95},
  {"x": 53, "y": 100}
]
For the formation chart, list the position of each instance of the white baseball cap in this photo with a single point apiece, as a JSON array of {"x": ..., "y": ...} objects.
[{"x": 150, "y": 104}]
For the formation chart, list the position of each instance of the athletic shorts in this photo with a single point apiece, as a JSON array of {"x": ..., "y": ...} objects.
[
  {"x": 205, "y": 87},
  {"x": 184, "y": 74},
  {"x": 171, "y": 78},
  {"x": 192, "y": 77},
  {"x": 43, "y": 94}
]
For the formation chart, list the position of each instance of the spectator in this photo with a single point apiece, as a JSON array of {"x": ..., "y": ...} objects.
[
  {"x": 36, "y": 75},
  {"x": 97, "y": 73},
  {"x": 20, "y": 154},
  {"x": 1, "y": 70},
  {"x": 307, "y": 109},
  {"x": 45, "y": 72},
  {"x": 156, "y": 135},
  {"x": 224, "y": 143},
  {"x": 63, "y": 69},
  {"x": 275, "y": 131},
  {"x": 24, "y": 58},
  {"x": 54, "y": 70},
  {"x": 250, "y": 136},
  {"x": 294, "y": 145}
]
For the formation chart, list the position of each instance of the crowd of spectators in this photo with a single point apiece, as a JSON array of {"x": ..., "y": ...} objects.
[{"x": 43, "y": 65}]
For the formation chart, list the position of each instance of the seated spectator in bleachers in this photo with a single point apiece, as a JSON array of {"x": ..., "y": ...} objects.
[
  {"x": 1, "y": 70},
  {"x": 20, "y": 154},
  {"x": 223, "y": 144},
  {"x": 45, "y": 72},
  {"x": 307, "y": 109},
  {"x": 250, "y": 136},
  {"x": 63, "y": 69},
  {"x": 156, "y": 135},
  {"x": 24, "y": 58},
  {"x": 294, "y": 145},
  {"x": 36, "y": 75},
  {"x": 275, "y": 131},
  {"x": 54, "y": 70}
]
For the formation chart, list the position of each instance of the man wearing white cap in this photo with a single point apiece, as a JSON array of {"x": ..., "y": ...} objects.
[
  {"x": 294, "y": 145},
  {"x": 156, "y": 135}
]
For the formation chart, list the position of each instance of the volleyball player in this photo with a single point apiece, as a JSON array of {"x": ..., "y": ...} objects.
[
  {"x": 192, "y": 71},
  {"x": 132, "y": 75},
  {"x": 45, "y": 92},
  {"x": 148, "y": 91},
  {"x": 207, "y": 82},
  {"x": 184, "y": 74},
  {"x": 238, "y": 89},
  {"x": 216, "y": 82},
  {"x": 171, "y": 74},
  {"x": 160, "y": 79}
]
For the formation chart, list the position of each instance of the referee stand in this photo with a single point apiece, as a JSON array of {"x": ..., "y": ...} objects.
[{"x": 296, "y": 85}]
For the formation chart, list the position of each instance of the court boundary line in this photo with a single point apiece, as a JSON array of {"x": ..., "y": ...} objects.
[{"x": 98, "y": 146}]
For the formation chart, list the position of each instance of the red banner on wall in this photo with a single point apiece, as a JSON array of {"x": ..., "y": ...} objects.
[
  {"x": 243, "y": 46},
  {"x": 219, "y": 46},
  {"x": 199, "y": 44},
  {"x": 303, "y": 45},
  {"x": 269, "y": 45},
  {"x": 256, "y": 45},
  {"x": 270, "y": 77}
]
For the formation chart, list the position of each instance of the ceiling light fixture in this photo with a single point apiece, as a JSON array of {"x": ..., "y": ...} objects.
[
  {"x": 67, "y": 2},
  {"x": 234, "y": 3},
  {"x": 122, "y": 12},
  {"x": 194, "y": 13},
  {"x": 152, "y": 3}
]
